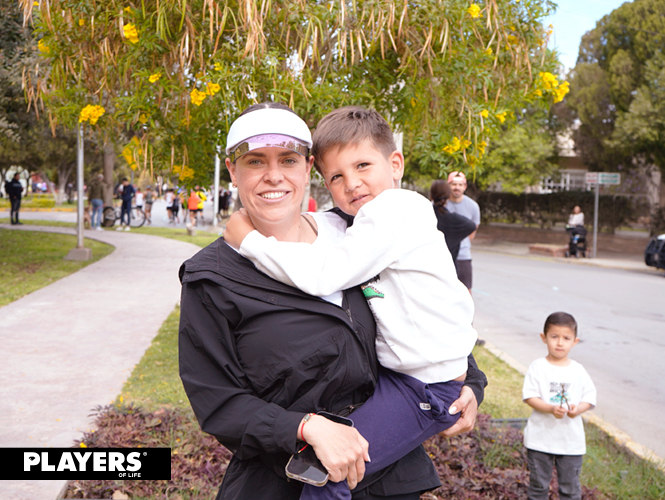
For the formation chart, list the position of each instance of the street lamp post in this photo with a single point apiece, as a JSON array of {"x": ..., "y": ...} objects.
[
  {"x": 215, "y": 205},
  {"x": 80, "y": 252}
]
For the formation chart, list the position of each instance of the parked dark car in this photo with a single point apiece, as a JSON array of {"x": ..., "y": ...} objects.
[{"x": 654, "y": 255}]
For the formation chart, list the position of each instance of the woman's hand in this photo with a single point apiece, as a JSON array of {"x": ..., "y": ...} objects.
[
  {"x": 237, "y": 228},
  {"x": 341, "y": 449},
  {"x": 467, "y": 404}
]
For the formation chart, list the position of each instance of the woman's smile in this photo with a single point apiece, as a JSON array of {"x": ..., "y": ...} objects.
[{"x": 273, "y": 195}]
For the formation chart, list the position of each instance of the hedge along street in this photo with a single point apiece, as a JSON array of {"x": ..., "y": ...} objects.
[{"x": 70, "y": 346}]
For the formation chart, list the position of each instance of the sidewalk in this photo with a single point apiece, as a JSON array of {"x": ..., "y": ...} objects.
[
  {"x": 604, "y": 259},
  {"x": 69, "y": 347}
]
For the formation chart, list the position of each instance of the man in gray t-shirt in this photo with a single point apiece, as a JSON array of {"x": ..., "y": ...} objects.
[{"x": 461, "y": 204}]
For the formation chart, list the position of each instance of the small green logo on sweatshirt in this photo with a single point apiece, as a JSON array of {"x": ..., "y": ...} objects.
[{"x": 371, "y": 293}]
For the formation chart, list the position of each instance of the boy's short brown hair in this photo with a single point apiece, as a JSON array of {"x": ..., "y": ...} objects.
[
  {"x": 351, "y": 125},
  {"x": 560, "y": 319}
]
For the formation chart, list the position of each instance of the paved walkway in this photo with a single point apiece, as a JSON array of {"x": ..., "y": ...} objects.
[{"x": 69, "y": 347}]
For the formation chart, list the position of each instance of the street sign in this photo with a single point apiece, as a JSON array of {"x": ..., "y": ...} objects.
[
  {"x": 591, "y": 177},
  {"x": 609, "y": 178}
]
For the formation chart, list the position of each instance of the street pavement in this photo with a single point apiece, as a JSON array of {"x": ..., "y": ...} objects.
[{"x": 70, "y": 346}]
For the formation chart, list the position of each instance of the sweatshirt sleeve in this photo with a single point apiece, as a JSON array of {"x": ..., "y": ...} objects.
[
  {"x": 218, "y": 388},
  {"x": 476, "y": 379},
  {"x": 368, "y": 247}
]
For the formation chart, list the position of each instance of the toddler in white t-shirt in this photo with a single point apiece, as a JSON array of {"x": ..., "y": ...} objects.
[{"x": 559, "y": 390}]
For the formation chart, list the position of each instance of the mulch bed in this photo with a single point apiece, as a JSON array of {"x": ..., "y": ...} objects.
[{"x": 488, "y": 463}]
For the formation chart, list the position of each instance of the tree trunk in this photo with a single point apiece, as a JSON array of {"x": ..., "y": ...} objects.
[
  {"x": 654, "y": 187},
  {"x": 109, "y": 164}
]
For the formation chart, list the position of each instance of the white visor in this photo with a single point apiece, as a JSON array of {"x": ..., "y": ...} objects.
[{"x": 268, "y": 124}]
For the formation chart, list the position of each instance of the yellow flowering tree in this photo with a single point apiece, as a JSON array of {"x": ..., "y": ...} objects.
[{"x": 448, "y": 74}]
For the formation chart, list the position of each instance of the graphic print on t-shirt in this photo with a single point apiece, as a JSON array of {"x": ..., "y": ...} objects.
[{"x": 559, "y": 393}]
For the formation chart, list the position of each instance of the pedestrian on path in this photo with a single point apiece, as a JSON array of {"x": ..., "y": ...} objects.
[
  {"x": 455, "y": 227},
  {"x": 461, "y": 204},
  {"x": 96, "y": 201},
  {"x": 14, "y": 190},
  {"x": 193, "y": 206},
  {"x": 202, "y": 197},
  {"x": 169, "y": 197},
  {"x": 127, "y": 195},
  {"x": 559, "y": 390},
  {"x": 149, "y": 198}
]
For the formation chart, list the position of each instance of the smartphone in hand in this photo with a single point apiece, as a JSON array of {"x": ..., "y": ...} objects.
[{"x": 305, "y": 466}]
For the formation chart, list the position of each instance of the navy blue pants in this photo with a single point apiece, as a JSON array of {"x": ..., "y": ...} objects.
[
  {"x": 402, "y": 413},
  {"x": 126, "y": 208}
]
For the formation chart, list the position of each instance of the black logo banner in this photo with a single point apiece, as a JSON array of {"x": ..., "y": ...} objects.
[{"x": 85, "y": 463}]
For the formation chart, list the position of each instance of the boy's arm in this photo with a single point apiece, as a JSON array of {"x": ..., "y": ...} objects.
[
  {"x": 237, "y": 228},
  {"x": 367, "y": 248}
]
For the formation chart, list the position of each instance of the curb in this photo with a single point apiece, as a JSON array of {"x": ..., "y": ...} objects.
[{"x": 620, "y": 437}]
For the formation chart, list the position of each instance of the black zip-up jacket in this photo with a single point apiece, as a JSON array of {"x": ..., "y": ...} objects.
[
  {"x": 256, "y": 355},
  {"x": 14, "y": 189}
]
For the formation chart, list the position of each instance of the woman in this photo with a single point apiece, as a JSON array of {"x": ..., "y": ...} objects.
[
  {"x": 455, "y": 227},
  {"x": 256, "y": 356},
  {"x": 149, "y": 197},
  {"x": 169, "y": 197}
]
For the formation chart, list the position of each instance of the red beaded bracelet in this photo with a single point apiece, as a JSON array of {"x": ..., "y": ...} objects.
[{"x": 304, "y": 420}]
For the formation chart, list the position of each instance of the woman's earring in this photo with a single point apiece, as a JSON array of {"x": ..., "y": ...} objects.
[{"x": 306, "y": 184}]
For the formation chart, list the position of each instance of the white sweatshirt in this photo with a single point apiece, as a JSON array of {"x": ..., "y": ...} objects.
[{"x": 423, "y": 312}]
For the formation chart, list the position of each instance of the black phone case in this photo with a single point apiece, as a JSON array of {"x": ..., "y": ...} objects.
[{"x": 300, "y": 464}]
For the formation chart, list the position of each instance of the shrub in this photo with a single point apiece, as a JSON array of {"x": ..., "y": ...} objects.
[
  {"x": 198, "y": 461},
  {"x": 548, "y": 209}
]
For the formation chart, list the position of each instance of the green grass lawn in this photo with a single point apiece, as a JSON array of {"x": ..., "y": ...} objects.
[
  {"x": 33, "y": 222},
  {"x": 155, "y": 382},
  {"x": 503, "y": 394},
  {"x": 31, "y": 260}
]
